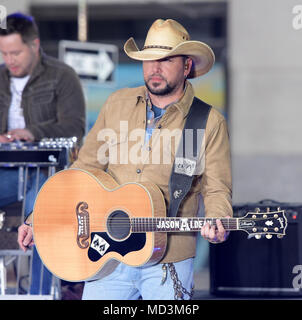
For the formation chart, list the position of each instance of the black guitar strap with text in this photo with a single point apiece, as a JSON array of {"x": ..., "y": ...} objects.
[{"x": 187, "y": 155}]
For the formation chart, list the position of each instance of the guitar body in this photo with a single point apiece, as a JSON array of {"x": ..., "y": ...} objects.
[
  {"x": 81, "y": 224},
  {"x": 85, "y": 224}
]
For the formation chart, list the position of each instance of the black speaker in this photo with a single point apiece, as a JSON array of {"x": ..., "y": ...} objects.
[{"x": 246, "y": 266}]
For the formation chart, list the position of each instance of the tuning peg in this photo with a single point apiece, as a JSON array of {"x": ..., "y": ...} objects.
[
  {"x": 268, "y": 236},
  {"x": 280, "y": 236},
  {"x": 267, "y": 209},
  {"x": 257, "y": 210},
  {"x": 258, "y": 236}
]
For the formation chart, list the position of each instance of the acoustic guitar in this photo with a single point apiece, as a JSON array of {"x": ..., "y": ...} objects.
[{"x": 84, "y": 224}]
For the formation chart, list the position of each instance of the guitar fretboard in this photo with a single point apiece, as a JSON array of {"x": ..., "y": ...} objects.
[{"x": 178, "y": 224}]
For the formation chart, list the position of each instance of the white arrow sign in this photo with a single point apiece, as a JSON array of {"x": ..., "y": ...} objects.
[{"x": 91, "y": 61}]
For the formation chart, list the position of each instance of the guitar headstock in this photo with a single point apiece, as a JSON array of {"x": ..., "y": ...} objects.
[{"x": 267, "y": 223}]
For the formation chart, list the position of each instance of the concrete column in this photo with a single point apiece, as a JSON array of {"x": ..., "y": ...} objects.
[{"x": 265, "y": 100}]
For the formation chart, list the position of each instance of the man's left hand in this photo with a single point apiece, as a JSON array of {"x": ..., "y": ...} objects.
[{"x": 215, "y": 234}]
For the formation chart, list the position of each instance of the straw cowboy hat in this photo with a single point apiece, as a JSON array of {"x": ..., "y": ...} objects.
[{"x": 168, "y": 38}]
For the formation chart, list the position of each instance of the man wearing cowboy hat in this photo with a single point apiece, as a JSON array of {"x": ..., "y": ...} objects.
[{"x": 161, "y": 106}]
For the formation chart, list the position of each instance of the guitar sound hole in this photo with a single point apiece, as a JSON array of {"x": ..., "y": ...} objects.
[{"x": 118, "y": 225}]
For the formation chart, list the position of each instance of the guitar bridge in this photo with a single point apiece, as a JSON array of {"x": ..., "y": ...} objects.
[{"x": 83, "y": 225}]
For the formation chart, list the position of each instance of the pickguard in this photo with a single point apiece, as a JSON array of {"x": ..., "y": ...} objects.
[{"x": 102, "y": 244}]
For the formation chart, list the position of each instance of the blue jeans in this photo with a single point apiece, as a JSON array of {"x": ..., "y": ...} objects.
[
  {"x": 8, "y": 195},
  {"x": 133, "y": 283},
  {"x": 9, "y": 188}
]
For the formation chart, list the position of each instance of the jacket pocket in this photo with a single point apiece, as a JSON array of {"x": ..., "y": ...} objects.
[
  {"x": 42, "y": 106},
  {"x": 45, "y": 97},
  {"x": 115, "y": 147}
]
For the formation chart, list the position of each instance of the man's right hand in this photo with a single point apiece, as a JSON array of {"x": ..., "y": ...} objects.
[
  {"x": 17, "y": 134},
  {"x": 25, "y": 237},
  {"x": 4, "y": 139}
]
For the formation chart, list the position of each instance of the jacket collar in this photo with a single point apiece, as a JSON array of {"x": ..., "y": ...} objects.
[
  {"x": 39, "y": 68},
  {"x": 183, "y": 104}
]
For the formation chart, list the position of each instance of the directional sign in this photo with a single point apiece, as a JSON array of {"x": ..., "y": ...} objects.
[{"x": 91, "y": 61}]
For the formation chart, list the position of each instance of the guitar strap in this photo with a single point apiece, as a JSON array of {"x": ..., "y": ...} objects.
[{"x": 187, "y": 155}]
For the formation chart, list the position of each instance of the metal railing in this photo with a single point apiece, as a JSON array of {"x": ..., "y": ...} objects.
[{"x": 17, "y": 268}]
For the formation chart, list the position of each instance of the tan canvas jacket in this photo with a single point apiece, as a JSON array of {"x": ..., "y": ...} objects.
[{"x": 118, "y": 133}]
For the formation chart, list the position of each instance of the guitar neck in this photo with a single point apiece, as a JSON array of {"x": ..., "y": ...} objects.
[{"x": 179, "y": 224}]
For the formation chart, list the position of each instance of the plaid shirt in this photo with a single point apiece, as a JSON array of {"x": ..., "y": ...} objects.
[{"x": 153, "y": 115}]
